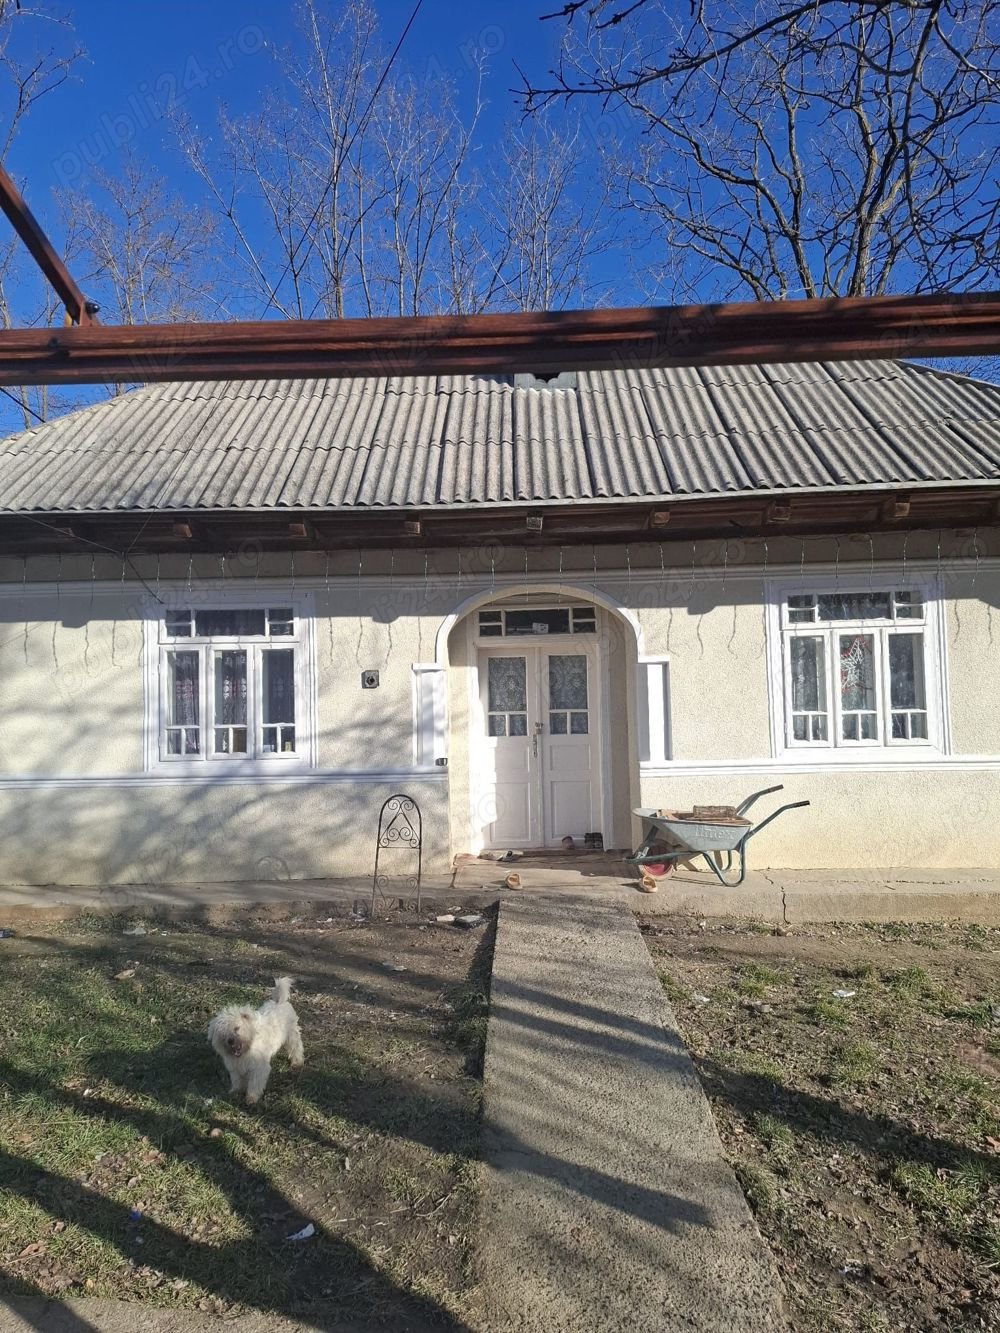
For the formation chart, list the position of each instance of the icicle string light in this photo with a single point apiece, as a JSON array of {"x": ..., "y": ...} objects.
[
  {"x": 871, "y": 563},
  {"x": 725, "y": 564},
  {"x": 361, "y": 623},
  {"x": 90, "y": 613},
  {"x": 763, "y": 591},
  {"x": 527, "y": 596},
  {"x": 390, "y": 608},
  {"x": 836, "y": 567},
  {"x": 329, "y": 605},
  {"x": 55, "y": 618},
  {"x": 802, "y": 562},
  {"x": 906, "y": 542},
  {"x": 975, "y": 547},
  {"x": 628, "y": 572},
  {"x": 24, "y": 602},
  {"x": 422, "y": 611},
  {"x": 670, "y": 605}
]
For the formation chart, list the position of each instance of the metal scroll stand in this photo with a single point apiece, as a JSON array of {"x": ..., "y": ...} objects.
[{"x": 400, "y": 829}]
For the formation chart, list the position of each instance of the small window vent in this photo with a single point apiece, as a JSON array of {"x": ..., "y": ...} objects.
[{"x": 556, "y": 379}]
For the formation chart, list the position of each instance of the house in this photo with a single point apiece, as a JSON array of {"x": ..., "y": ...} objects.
[{"x": 239, "y": 616}]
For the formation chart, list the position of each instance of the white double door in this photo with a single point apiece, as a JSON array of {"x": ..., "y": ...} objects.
[{"x": 539, "y": 745}]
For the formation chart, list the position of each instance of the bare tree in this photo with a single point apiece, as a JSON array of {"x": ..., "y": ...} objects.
[
  {"x": 37, "y": 55},
  {"x": 550, "y": 217},
  {"x": 828, "y": 147},
  {"x": 142, "y": 250},
  {"x": 355, "y": 190}
]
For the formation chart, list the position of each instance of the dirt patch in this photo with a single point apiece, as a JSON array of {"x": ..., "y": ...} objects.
[
  {"x": 862, "y": 1125},
  {"x": 128, "y": 1171}
]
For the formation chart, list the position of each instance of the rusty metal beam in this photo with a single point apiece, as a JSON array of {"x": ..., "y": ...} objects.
[
  {"x": 41, "y": 250},
  {"x": 833, "y": 329}
]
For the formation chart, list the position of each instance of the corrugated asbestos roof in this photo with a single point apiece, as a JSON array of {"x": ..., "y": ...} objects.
[{"x": 455, "y": 441}]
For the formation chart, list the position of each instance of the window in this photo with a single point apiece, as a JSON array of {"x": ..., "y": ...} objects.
[
  {"x": 518, "y": 621},
  {"x": 855, "y": 668},
  {"x": 231, "y": 685}
]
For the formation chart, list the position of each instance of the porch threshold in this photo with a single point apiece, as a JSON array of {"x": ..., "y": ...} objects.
[{"x": 789, "y": 897}]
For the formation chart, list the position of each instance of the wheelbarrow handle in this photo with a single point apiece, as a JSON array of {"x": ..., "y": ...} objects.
[
  {"x": 793, "y": 805},
  {"x": 766, "y": 791}
]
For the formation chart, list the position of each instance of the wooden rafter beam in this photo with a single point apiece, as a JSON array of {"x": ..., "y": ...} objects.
[
  {"x": 833, "y": 329},
  {"x": 42, "y": 251}
]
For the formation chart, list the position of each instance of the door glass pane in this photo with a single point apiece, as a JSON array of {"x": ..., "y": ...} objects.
[
  {"x": 518, "y": 724},
  {"x": 498, "y": 724},
  {"x": 855, "y": 606},
  {"x": 552, "y": 621},
  {"x": 567, "y": 680},
  {"x": 507, "y": 685},
  {"x": 578, "y": 724},
  {"x": 557, "y": 724}
]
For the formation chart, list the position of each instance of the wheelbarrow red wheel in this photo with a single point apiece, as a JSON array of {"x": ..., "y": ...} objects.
[{"x": 659, "y": 869}]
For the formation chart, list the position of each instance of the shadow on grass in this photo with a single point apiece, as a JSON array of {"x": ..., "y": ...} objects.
[{"x": 329, "y": 1278}]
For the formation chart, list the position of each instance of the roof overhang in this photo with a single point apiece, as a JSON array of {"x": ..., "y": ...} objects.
[{"x": 870, "y": 510}]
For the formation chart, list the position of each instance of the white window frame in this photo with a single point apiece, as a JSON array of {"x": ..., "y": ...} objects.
[
  {"x": 256, "y": 760},
  {"x": 835, "y": 749}
]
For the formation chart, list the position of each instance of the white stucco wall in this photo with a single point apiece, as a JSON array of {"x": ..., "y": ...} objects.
[{"x": 77, "y": 806}]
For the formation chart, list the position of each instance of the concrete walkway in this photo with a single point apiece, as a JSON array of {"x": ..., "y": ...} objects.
[{"x": 606, "y": 1201}]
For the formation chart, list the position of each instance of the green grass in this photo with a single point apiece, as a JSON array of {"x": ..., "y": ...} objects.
[
  {"x": 775, "y": 1134},
  {"x": 853, "y": 1062},
  {"x": 130, "y": 1173},
  {"x": 949, "y": 1194},
  {"x": 825, "y": 1011},
  {"x": 674, "y": 991},
  {"x": 755, "y": 979}
]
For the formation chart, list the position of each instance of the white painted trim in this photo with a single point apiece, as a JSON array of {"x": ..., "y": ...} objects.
[
  {"x": 653, "y": 709},
  {"x": 586, "y": 592},
  {"x": 791, "y": 765},
  {"x": 848, "y": 757},
  {"x": 318, "y": 777},
  {"x": 430, "y": 715},
  {"x": 155, "y": 643}
]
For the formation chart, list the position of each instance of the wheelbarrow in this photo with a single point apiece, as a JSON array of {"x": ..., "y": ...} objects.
[{"x": 708, "y": 834}]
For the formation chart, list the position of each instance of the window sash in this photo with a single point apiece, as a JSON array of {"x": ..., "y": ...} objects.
[
  {"x": 918, "y": 719},
  {"x": 230, "y": 741}
]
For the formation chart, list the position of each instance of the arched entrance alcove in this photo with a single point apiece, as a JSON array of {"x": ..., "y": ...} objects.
[{"x": 543, "y": 741}]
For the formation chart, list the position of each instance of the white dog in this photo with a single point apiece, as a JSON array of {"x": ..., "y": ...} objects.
[{"x": 247, "y": 1040}]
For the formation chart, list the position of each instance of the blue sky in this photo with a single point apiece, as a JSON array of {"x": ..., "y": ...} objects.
[{"x": 142, "y": 55}]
